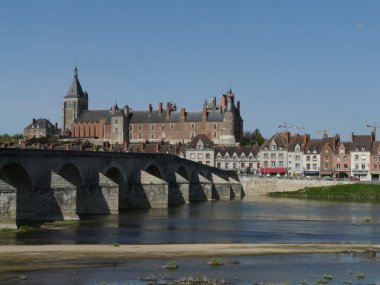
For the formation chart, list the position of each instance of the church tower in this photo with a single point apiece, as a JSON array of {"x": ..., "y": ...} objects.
[{"x": 74, "y": 103}]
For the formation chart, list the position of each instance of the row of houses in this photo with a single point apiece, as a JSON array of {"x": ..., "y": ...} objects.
[{"x": 300, "y": 155}]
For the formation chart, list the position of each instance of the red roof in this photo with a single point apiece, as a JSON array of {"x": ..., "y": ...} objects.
[{"x": 273, "y": 170}]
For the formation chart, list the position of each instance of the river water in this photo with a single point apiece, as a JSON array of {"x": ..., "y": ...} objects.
[{"x": 260, "y": 220}]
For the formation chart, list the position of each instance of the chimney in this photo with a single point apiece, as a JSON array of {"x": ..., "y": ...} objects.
[
  {"x": 160, "y": 108},
  {"x": 183, "y": 114},
  {"x": 352, "y": 136},
  {"x": 34, "y": 121},
  {"x": 238, "y": 106},
  {"x": 204, "y": 114},
  {"x": 56, "y": 126},
  {"x": 168, "y": 109},
  {"x": 150, "y": 109},
  {"x": 373, "y": 134}
]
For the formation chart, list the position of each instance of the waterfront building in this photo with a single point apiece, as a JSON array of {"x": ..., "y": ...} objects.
[
  {"x": 296, "y": 150},
  {"x": 375, "y": 161},
  {"x": 201, "y": 150},
  {"x": 274, "y": 155},
  {"x": 342, "y": 160},
  {"x": 40, "y": 128},
  {"x": 241, "y": 158},
  {"x": 361, "y": 155},
  {"x": 311, "y": 157},
  {"x": 328, "y": 149}
]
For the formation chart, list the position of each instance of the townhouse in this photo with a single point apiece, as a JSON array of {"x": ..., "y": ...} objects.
[{"x": 360, "y": 155}]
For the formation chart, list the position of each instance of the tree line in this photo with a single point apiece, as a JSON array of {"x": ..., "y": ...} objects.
[{"x": 252, "y": 138}]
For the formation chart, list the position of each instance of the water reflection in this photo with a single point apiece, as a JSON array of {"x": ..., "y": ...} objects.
[{"x": 248, "y": 221}]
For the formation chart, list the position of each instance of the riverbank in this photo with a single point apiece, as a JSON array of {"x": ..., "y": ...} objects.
[
  {"x": 351, "y": 192},
  {"x": 38, "y": 257}
]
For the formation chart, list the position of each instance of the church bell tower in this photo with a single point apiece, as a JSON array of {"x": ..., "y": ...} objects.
[{"x": 75, "y": 101}]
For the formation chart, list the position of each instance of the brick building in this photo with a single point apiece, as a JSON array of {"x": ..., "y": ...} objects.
[{"x": 221, "y": 122}]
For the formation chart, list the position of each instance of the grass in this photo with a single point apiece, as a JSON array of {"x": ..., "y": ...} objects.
[
  {"x": 115, "y": 244},
  {"x": 215, "y": 262},
  {"x": 171, "y": 265},
  {"x": 360, "y": 275},
  {"x": 350, "y": 192}
]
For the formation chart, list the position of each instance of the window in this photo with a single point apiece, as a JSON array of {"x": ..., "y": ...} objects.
[
  {"x": 116, "y": 121},
  {"x": 363, "y": 157},
  {"x": 363, "y": 166},
  {"x": 131, "y": 127},
  {"x": 273, "y": 156},
  {"x": 152, "y": 127},
  {"x": 297, "y": 149},
  {"x": 218, "y": 165},
  {"x": 308, "y": 166},
  {"x": 192, "y": 125},
  {"x": 298, "y": 157},
  {"x": 207, "y": 156},
  {"x": 140, "y": 136},
  {"x": 140, "y": 127},
  {"x": 308, "y": 158},
  {"x": 172, "y": 126},
  {"x": 163, "y": 127},
  {"x": 192, "y": 155},
  {"x": 375, "y": 158},
  {"x": 298, "y": 166},
  {"x": 130, "y": 136},
  {"x": 265, "y": 156},
  {"x": 314, "y": 166},
  {"x": 214, "y": 126},
  {"x": 356, "y": 166},
  {"x": 314, "y": 158},
  {"x": 200, "y": 155},
  {"x": 345, "y": 166},
  {"x": 345, "y": 158},
  {"x": 338, "y": 166},
  {"x": 207, "y": 162},
  {"x": 234, "y": 165},
  {"x": 226, "y": 165},
  {"x": 192, "y": 134},
  {"x": 281, "y": 163},
  {"x": 116, "y": 130},
  {"x": 214, "y": 135},
  {"x": 152, "y": 136},
  {"x": 281, "y": 156},
  {"x": 273, "y": 163},
  {"x": 273, "y": 147},
  {"x": 356, "y": 157},
  {"x": 338, "y": 159}
]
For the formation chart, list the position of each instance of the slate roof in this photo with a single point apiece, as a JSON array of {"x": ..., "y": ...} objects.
[
  {"x": 207, "y": 142},
  {"x": 375, "y": 147},
  {"x": 143, "y": 116},
  {"x": 279, "y": 139},
  {"x": 296, "y": 139},
  {"x": 239, "y": 150},
  {"x": 361, "y": 141},
  {"x": 94, "y": 116},
  {"x": 75, "y": 90},
  {"x": 42, "y": 124},
  {"x": 313, "y": 145}
]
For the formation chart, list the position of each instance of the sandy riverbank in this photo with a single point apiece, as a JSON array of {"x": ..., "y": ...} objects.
[{"x": 36, "y": 257}]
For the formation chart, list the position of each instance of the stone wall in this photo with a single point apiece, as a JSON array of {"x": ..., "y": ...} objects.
[{"x": 263, "y": 185}]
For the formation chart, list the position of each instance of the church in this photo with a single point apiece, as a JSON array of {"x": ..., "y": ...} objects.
[{"x": 220, "y": 122}]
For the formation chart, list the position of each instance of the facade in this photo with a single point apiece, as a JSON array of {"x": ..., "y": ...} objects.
[
  {"x": 375, "y": 161},
  {"x": 274, "y": 155},
  {"x": 361, "y": 156},
  {"x": 241, "y": 158},
  {"x": 342, "y": 160},
  {"x": 328, "y": 153},
  {"x": 312, "y": 158},
  {"x": 296, "y": 149},
  {"x": 201, "y": 150},
  {"x": 220, "y": 122},
  {"x": 40, "y": 128}
]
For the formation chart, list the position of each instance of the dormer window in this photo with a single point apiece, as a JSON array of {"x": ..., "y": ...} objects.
[
  {"x": 297, "y": 149},
  {"x": 363, "y": 148},
  {"x": 280, "y": 147},
  {"x": 273, "y": 147},
  {"x": 308, "y": 151},
  {"x": 266, "y": 148}
]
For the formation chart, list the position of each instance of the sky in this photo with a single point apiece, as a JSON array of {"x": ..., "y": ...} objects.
[{"x": 312, "y": 64}]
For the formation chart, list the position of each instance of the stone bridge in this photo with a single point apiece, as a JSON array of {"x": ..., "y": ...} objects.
[{"x": 49, "y": 185}]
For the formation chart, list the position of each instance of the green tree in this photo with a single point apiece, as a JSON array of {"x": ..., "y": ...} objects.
[{"x": 257, "y": 138}]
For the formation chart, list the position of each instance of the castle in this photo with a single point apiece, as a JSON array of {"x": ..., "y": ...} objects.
[{"x": 221, "y": 122}]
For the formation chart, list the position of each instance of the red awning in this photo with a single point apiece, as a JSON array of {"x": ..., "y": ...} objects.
[{"x": 273, "y": 170}]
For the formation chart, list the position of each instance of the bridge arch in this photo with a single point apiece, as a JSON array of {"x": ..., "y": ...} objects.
[
  {"x": 182, "y": 171},
  {"x": 17, "y": 189},
  {"x": 71, "y": 173},
  {"x": 154, "y": 170}
]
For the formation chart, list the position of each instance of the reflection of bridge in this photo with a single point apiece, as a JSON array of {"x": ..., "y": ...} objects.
[{"x": 46, "y": 185}]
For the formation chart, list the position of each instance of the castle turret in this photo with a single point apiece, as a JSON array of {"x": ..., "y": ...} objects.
[{"x": 75, "y": 101}]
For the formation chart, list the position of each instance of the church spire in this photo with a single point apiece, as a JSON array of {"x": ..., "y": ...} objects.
[{"x": 76, "y": 72}]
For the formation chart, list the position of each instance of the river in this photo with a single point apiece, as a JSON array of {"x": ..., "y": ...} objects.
[{"x": 260, "y": 220}]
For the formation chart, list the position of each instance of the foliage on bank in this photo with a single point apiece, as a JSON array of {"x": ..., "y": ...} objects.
[{"x": 354, "y": 192}]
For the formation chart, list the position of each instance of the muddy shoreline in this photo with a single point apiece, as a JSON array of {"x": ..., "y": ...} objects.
[{"x": 39, "y": 257}]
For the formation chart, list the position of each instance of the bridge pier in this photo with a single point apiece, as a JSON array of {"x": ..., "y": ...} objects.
[
  {"x": 148, "y": 191},
  {"x": 200, "y": 189},
  {"x": 236, "y": 189},
  {"x": 8, "y": 204},
  {"x": 178, "y": 190},
  {"x": 100, "y": 195},
  {"x": 221, "y": 189}
]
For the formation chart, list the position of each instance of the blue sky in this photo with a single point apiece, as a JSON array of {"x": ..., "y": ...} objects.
[{"x": 314, "y": 64}]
